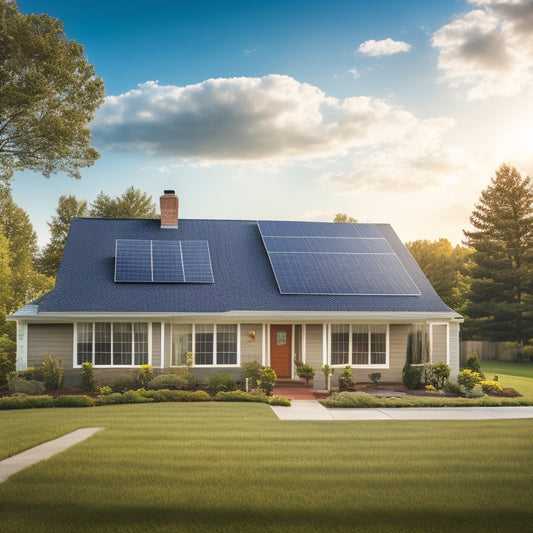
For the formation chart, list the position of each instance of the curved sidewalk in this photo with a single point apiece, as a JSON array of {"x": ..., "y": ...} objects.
[{"x": 313, "y": 410}]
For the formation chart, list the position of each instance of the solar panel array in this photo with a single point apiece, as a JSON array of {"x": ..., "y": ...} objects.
[
  {"x": 148, "y": 261},
  {"x": 336, "y": 259}
]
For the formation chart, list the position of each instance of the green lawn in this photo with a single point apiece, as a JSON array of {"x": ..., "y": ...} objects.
[
  {"x": 236, "y": 467},
  {"x": 516, "y": 375}
]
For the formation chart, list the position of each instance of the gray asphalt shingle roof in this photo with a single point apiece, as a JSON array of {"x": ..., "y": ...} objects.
[{"x": 244, "y": 280}]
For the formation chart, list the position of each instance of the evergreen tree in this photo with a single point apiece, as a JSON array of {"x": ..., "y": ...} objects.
[
  {"x": 503, "y": 242},
  {"x": 68, "y": 207}
]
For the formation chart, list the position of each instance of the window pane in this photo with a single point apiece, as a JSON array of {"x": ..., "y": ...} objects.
[
  {"x": 122, "y": 347},
  {"x": 360, "y": 345},
  {"x": 340, "y": 344},
  {"x": 102, "y": 343},
  {"x": 181, "y": 344},
  {"x": 84, "y": 347},
  {"x": 227, "y": 344},
  {"x": 203, "y": 344},
  {"x": 140, "y": 339},
  {"x": 378, "y": 345}
]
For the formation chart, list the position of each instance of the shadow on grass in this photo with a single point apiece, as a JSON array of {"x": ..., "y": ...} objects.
[{"x": 193, "y": 518}]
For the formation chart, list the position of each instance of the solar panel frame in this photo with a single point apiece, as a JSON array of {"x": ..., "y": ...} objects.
[{"x": 334, "y": 259}]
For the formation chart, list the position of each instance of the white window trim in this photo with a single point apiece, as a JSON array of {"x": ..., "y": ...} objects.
[
  {"x": 75, "y": 344},
  {"x": 350, "y": 354},
  {"x": 193, "y": 346}
]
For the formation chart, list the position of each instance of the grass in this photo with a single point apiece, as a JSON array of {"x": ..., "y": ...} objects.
[
  {"x": 519, "y": 376},
  {"x": 236, "y": 467}
]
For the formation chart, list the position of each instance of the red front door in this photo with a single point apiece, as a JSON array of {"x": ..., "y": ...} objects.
[{"x": 280, "y": 350}]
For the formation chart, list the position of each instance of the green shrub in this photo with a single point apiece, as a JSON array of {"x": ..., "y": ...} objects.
[
  {"x": 185, "y": 373},
  {"x": 475, "y": 392},
  {"x": 267, "y": 381},
  {"x": 411, "y": 376},
  {"x": 8, "y": 357},
  {"x": 279, "y": 400},
  {"x": 468, "y": 379},
  {"x": 16, "y": 384},
  {"x": 177, "y": 395},
  {"x": 74, "y": 401},
  {"x": 453, "y": 388},
  {"x": 26, "y": 402},
  {"x": 109, "y": 399},
  {"x": 436, "y": 374},
  {"x": 527, "y": 353},
  {"x": 167, "y": 381},
  {"x": 473, "y": 363},
  {"x": 135, "y": 396},
  {"x": 124, "y": 383},
  {"x": 240, "y": 396},
  {"x": 52, "y": 372},
  {"x": 491, "y": 387},
  {"x": 106, "y": 389},
  {"x": 430, "y": 388},
  {"x": 88, "y": 382},
  {"x": 346, "y": 383},
  {"x": 304, "y": 371},
  {"x": 33, "y": 373},
  {"x": 146, "y": 375},
  {"x": 220, "y": 382},
  {"x": 252, "y": 371}
]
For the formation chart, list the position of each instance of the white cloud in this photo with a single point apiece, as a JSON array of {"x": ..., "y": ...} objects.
[
  {"x": 386, "y": 47},
  {"x": 245, "y": 119},
  {"x": 276, "y": 119},
  {"x": 354, "y": 73},
  {"x": 420, "y": 159},
  {"x": 488, "y": 50}
]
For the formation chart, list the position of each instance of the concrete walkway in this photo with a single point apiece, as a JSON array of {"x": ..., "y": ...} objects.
[
  {"x": 312, "y": 410},
  {"x": 13, "y": 464}
]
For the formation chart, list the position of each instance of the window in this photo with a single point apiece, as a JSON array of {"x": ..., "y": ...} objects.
[
  {"x": 112, "y": 343},
  {"x": 340, "y": 344},
  {"x": 181, "y": 344},
  {"x": 212, "y": 344},
  {"x": 226, "y": 344},
  {"x": 359, "y": 344}
]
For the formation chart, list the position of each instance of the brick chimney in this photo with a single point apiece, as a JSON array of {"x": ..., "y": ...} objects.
[{"x": 169, "y": 209}]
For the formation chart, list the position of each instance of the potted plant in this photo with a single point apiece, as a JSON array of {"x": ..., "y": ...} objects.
[{"x": 304, "y": 371}]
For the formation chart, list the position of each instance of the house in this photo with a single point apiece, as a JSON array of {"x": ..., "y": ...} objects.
[{"x": 134, "y": 292}]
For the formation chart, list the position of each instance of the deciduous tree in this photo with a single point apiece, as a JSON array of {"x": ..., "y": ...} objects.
[
  {"x": 133, "y": 203},
  {"x": 48, "y": 94},
  {"x": 343, "y": 217},
  {"x": 68, "y": 207},
  {"x": 446, "y": 267}
]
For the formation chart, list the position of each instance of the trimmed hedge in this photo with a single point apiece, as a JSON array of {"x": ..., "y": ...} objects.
[
  {"x": 361, "y": 399},
  {"x": 241, "y": 396}
]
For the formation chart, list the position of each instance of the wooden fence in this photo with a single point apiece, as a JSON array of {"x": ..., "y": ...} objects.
[{"x": 486, "y": 350}]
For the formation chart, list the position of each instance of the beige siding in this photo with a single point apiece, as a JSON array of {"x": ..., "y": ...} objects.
[
  {"x": 397, "y": 352},
  {"x": 251, "y": 350},
  {"x": 56, "y": 339},
  {"x": 156, "y": 345},
  {"x": 314, "y": 352},
  {"x": 439, "y": 343},
  {"x": 453, "y": 340},
  {"x": 167, "y": 344}
]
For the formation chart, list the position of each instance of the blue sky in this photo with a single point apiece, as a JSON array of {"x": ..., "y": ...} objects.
[{"x": 396, "y": 112}]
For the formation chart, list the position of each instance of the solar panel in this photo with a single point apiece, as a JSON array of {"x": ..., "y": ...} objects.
[
  {"x": 329, "y": 258},
  {"x": 133, "y": 260},
  {"x": 152, "y": 261},
  {"x": 197, "y": 262}
]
